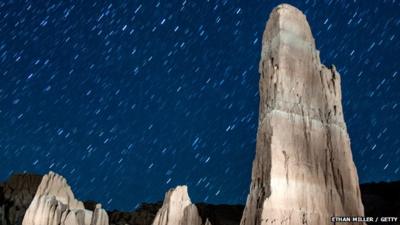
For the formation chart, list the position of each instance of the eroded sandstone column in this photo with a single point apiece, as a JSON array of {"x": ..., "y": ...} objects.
[{"x": 303, "y": 171}]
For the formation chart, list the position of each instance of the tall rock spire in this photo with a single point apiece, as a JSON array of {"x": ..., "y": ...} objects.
[{"x": 303, "y": 171}]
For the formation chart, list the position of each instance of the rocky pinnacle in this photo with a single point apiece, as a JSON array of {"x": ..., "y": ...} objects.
[
  {"x": 55, "y": 204},
  {"x": 303, "y": 171},
  {"x": 177, "y": 209}
]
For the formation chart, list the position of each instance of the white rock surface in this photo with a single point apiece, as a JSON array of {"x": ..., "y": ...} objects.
[
  {"x": 177, "y": 209},
  {"x": 55, "y": 204},
  {"x": 55, "y": 185},
  {"x": 100, "y": 216},
  {"x": 191, "y": 216},
  {"x": 303, "y": 171}
]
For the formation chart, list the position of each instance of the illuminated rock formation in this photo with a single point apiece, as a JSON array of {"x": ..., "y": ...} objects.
[
  {"x": 178, "y": 209},
  {"x": 303, "y": 171},
  {"x": 55, "y": 204}
]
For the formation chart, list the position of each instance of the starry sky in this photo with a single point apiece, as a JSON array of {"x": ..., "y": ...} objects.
[{"x": 127, "y": 99}]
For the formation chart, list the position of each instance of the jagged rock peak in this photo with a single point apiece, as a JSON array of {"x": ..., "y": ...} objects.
[
  {"x": 56, "y": 185},
  {"x": 303, "y": 171},
  {"x": 177, "y": 209},
  {"x": 55, "y": 204},
  {"x": 177, "y": 196}
]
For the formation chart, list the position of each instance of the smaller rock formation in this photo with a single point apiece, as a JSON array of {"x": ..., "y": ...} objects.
[
  {"x": 54, "y": 204},
  {"x": 56, "y": 185},
  {"x": 178, "y": 209}
]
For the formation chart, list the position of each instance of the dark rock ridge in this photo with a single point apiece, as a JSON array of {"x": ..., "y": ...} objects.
[
  {"x": 221, "y": 214},
  {"x": 144, "y": 215},
  {"x": 15, "y": 196},
  {"x": 380, "y": 199}
]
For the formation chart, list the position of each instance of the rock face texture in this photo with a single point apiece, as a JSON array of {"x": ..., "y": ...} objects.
[
  {"x": 177, "y": 209},
  {"x": 303, "y": 172},
  {"x": 55, "y": 204}
]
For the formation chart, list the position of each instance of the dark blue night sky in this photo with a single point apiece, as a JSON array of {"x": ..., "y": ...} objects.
[{"x": 129, "y": 99}]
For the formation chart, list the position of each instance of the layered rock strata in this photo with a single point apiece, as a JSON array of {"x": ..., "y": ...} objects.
[
  {"x": 303, "y": 171},
  {"x": 55, "y": 204},
  {"x": 177, "y": 209}
]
